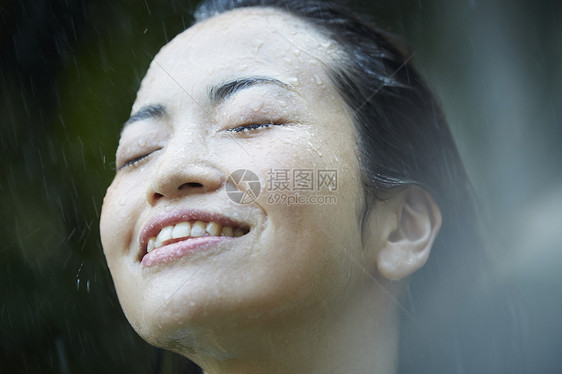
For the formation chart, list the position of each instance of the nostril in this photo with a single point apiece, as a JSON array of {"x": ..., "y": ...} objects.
[{"x": 191, "y": 185}]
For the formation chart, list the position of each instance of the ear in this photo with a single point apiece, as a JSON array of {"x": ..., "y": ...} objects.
[{"x": 415, "y": 220}]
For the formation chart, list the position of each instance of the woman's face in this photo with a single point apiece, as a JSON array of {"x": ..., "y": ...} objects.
[{"x": 265, "y": 70}]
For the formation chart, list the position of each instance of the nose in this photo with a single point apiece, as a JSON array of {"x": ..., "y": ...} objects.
[{"x": 181, "y": 175}]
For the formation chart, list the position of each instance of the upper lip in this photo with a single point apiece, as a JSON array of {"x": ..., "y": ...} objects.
[{"x": 157, "y": 223}]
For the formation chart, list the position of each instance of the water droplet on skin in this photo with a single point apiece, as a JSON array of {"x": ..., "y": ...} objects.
[
  {"x": 256, "y": 106},
  {"x": 317, "y": 79},
  {"x": 258, "y": 45},
  {"x": 293, "y": 80}
]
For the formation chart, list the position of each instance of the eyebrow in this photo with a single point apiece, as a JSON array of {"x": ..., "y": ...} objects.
[
  {"x": 223, "y": 91},
  {"x": 148, "y": 111},
  {"x": 216, "y": 94}
]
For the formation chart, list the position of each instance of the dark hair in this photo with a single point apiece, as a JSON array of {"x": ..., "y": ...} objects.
[{"x": 403, "y": 139}]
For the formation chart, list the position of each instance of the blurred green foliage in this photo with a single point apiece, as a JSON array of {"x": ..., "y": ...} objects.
[{"x": 70, "y": 71}]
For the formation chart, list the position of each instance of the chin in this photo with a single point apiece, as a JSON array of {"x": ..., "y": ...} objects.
[{"x": 170, "y": 326}]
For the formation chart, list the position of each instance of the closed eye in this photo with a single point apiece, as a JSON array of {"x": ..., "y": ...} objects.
[
  {"x": 135, "y": 161},
  {"x": 246, "y": 128}
]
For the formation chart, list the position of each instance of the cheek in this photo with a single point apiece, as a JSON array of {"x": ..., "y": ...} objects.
[
  {"x": 121, "y": 207},
  {"x": 119, "y": 212},
  {"x": 312, "y": 235},
  {"x": 307, "y": 257}
]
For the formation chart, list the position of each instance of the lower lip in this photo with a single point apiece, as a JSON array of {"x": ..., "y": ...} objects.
[{"x": 172, "y": 252}]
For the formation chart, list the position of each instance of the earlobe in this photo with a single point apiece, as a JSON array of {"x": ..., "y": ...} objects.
[{"x": 407, "y": 245}]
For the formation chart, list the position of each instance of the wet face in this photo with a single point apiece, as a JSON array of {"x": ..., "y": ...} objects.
[{"x": 244, "y": 90}]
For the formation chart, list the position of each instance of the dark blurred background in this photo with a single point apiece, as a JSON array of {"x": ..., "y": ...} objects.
[{"x": 69, "y": 71}]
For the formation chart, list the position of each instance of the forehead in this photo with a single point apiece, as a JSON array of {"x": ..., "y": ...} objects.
[{"x": 243, "y": 42}]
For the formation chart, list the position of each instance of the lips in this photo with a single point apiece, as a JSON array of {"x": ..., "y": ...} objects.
[{"x": 168, "y": 231}]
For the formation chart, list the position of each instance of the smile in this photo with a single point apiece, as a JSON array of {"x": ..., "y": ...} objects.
[
  {"x": 191, "y": 229},
  {"x": 173, "y": 235}
]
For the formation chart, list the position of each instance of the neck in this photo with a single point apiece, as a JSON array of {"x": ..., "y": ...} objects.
[{"x": 361, "y": 336}]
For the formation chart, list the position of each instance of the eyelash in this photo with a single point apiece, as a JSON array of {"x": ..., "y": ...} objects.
[
  {"x": 135, "y": 161},
  {"x": 246, "y": 128}
]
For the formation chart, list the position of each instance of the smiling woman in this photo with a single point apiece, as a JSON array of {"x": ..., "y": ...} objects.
[{"x": 286, "y": 89}]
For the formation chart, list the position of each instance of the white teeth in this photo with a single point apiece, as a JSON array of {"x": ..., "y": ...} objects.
[
  {"x": 194, "y": 230},
  {"x": 164, "y": 235},
  {"x": 150, "y": 245},
  {"x": 227, "y": 231},
  {"x": 198, "y": 229},
  {"x": 213, "y": 228},
  {"x": 181, "y": 230}
]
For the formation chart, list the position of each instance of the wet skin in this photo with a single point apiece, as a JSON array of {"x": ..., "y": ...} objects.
[{"x": 299, "y": 268}]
